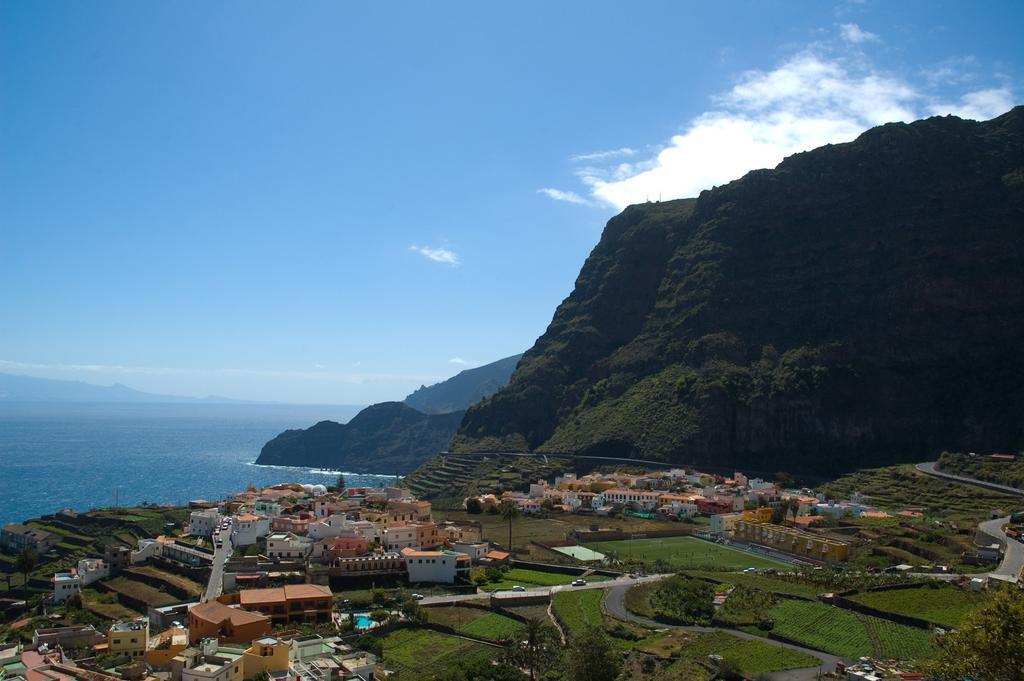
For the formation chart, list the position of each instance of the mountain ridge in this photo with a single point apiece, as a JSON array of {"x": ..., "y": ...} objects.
[{"x": 822, "y": 306}]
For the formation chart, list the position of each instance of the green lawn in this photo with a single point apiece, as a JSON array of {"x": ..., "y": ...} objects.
[
  {"x": 946, "y": 604},
  {"x": 474, "y": 621},
  {"x": 687, "y": 553},
  {"x": 577, "y": 609},
  {"x": 848, "y": 634},
  {"x": 427, "y": 654},
  {"x": 533, "y": 578},
  {"x": 752, "y": 657}
]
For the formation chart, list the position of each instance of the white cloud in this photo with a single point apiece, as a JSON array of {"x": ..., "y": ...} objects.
[
  {"x": 852, "y": 33},
  {"x": 459, "y": 361},
  {"x": 559, "y": 195},
  {"x": 442, "y": 255},
  {"x": 807, "y": 101},
  {"x": 604, "y": 155},
  {"x": 979, "y": 105}
]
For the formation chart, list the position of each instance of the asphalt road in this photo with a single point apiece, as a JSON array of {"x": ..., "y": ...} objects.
[
  {"x": 544, "y": 590},
  {"x": 929, "y": 468},
  {"x": 1013, "y": 557},
  {"x": 215, "y": 585}
]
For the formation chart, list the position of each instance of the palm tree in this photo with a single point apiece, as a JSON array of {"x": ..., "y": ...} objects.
[
  {"x": 509, "y": 511},
  {"x": 25, "y": 563},
  {"x": 534, "y": 648}
]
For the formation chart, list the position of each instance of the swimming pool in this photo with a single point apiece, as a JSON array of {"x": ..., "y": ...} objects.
[{"x": 363, "y": 621}]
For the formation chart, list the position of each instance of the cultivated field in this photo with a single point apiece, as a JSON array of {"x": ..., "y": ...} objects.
[
  {"x": 474, "y": 622},
  {"x": 532, "y": 578},
  {"x": 686, "y": 553},
  {"x": 942, "y": 604},
  {"x": 848, "y": 634},
  {"x": 578, "y": 609},
  {"x": 751, "y": 657},
  {"x": 427, "y": 654}
]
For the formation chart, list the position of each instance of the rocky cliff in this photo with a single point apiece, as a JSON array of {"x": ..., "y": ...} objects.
[
  {"x": 464, "y": 389},
  {"x": 386, "y": 438},
  {"x": 859, "y": 304}
]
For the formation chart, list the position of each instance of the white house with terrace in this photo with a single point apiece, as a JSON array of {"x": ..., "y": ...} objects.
[
  {"x": 204, "y": 523},
  {"x": 67, "y": 584}
]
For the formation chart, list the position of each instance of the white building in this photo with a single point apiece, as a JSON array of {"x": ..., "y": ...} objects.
[
  {"x": 67, "y": 584},
  {"x": 204, "y": 523},
  {"x": 399, "y": 537},
  {"x": 538, "y": 488},
  {"x": 285, "y": 545},
  {"x": 336, "y": 525},
  {"x": 435, "y": 566},
  {"x": 475, "y": 550},
  {"x": 249, "y": 528},
  {"x": 271, "y": 509},
  {"x": 211, "y": 669}
]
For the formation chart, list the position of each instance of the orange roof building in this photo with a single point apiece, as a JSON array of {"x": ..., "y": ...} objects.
[
  {"x": 290, "y": 603},
  {"x": 213, "y": 619}
]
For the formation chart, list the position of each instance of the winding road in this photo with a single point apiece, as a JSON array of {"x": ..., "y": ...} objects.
[{"x": 1013, "y": 556}]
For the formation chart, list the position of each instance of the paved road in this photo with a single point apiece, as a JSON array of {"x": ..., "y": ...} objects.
[
  {"x": 929, "y": 468},
  {"x": 616, "y": 606},
  {"x": 1013, "y": 558},
  {"x": 544, "y": 590},
  {"x": 215, "y": 585}
]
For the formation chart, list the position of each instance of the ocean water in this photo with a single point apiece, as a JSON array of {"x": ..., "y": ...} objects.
[{"x": 83, "y": 456}]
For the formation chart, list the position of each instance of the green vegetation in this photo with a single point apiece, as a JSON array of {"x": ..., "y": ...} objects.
[
  {"x": 106, "y": 605},
  {"x": 427, "y": 654},
  {"x": 846, "y": 633},
  {"x": 683, "y": 600},
  {"x": 685, "y": 553},
  {"x": 751, "y": 657},
  {"x": 943, "y": 604},
  {"x": 987, "y": 645},
  {"x": 985, "y": 468},
  {"x": 578, "y": 610},
  {"x": 804, "y": 582},
  {"x": 473, "y": 621},
  {"x": 447, "y": 479}
]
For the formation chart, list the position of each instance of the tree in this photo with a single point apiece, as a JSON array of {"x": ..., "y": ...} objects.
[
  {"x": 536, "y": 648},
  {"x": 412, "y": 611},
  {"x": 474, "y": 506},
  {"x": 262, "y": 675},
  {"x": 987, "y": 644},
  {"x": 339, "y": 486},
  {"x": 591, "y": 657},
  {"x": 509, "y": 511},
  {"x": 25, "y": 563}
]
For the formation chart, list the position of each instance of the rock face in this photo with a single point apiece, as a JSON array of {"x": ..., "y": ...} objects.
[
  {"x": 389, "y": 437},
  {"x": 860, "y": 304},
  {"x": 464, "y": 389}
]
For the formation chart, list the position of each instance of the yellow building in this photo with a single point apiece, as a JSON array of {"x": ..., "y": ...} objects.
[
  {"x": 265, "y": 655},
  {"x": 165, "y": 647},
  {"x": 793, "y": 541},
  {"x": 129, "y": 638},
  {"x": 758, "y": 515}
]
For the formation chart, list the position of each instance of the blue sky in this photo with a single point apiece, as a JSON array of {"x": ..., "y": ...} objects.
[{"x": 335, "y": 202}]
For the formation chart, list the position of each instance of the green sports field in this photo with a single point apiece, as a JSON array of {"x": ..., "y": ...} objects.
[{"x": 686, "y": 553}]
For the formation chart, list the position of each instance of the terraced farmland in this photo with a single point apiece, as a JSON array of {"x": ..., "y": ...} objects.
[
  {"x": 578, "y": 609},
  {"x": 473, "y": 621},
  {"x": 846, "y": 633},
  {"x": 447, "y": 479},
  {"x": 428, "y": 654}
]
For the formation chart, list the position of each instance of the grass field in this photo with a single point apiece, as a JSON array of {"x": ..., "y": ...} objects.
[
  {"x": 578, "y": 609},
  {"x": 848, "y": 634},
  {"x": 752, "y": 657},
  {"x": 474, "y": 622},
  {"x": 686, "y": 553},
  {"x": 427, "y": 654},
  {"x": 946, "y": 605},
  {"x": 530, "y": 578}
]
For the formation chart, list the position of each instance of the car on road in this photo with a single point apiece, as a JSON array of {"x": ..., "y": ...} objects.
[
  {"x": 633, "y": 575},
  {"x": 417, "y": 597},
  {"x": 749, "y": 570},
  {"x": 517, "y": 587},
  {"x": 579, "y": 582}
]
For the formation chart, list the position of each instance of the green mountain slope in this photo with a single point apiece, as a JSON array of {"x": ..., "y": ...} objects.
[
  {"x": 859, "y": 304},
  {"x": 389, "y": 437},
  {"x": 464, "y": 389}
]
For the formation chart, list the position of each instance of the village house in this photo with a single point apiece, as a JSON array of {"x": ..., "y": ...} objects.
[
  {"x": 289, "y": 603},
  {"x": 88, "y": 571},
  {"x": 15, "y": 537},
  {"x": 130, "y": 639},
  {"x": 435, "y": 566},
  {"x": 213, "y": 619},
  {"x": 371, "y": 564},
  {"x": 248, "y": 529},
  {"x": 295, "y": 524},
  {"x": 204, "y": 523},
  {"x": 326, "y": 550},
  {"x": 288, "y": 546}
]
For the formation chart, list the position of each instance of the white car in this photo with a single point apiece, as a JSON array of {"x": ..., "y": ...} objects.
[
  {"x": 579, "y": 582},
  {"x": 417, "y": 597},
  {"x": 519, "y": 588}
]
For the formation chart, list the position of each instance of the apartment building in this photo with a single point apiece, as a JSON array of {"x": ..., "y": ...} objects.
[{"x": 792, "y": 541}]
